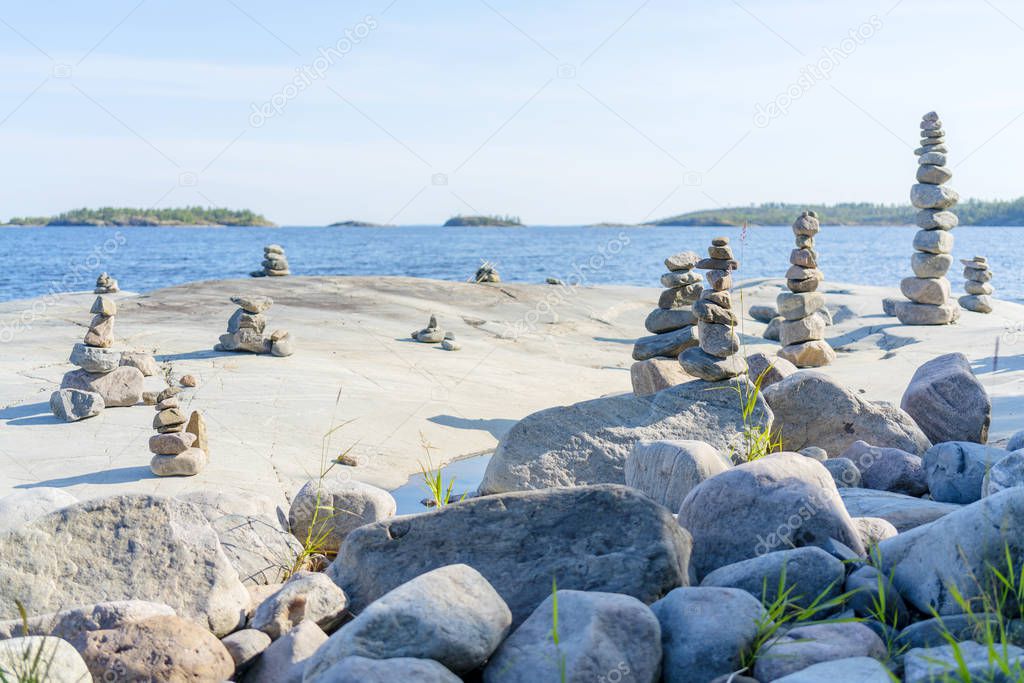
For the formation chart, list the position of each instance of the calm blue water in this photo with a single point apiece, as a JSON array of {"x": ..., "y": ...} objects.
[{"x": 40, "y": 260}]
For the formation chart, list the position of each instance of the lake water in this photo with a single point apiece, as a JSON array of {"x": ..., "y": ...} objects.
[{"x": 41, "y": 260}]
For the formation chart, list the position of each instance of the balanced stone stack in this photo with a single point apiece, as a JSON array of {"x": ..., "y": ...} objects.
[
  {"x": 716, "y": 358},
  {"x": 106, "y": 285},
  {"x": 978, "y": 285},
  {"x": 102, "y": 380},
  {"x": 671, "y": 324},
  {"x": 275, "y": 263},
  {"x": 176, "y": 448},
  {"x": 433, "y": 333},
  {"x": 486, "y": 273},
  {"x": 929, "y": 290},
  {"x": 802, "y": 330},
  {"x": 246, "y": 327}
]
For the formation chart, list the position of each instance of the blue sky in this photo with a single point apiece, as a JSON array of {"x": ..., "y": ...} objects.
[{"x": 560, "y": 112}]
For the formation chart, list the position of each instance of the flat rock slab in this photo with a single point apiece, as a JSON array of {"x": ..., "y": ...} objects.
[{"x": 902, "y": 511}]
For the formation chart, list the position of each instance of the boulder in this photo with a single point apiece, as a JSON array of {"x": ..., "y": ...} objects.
[
  {"x": 330, "y": 508},
  {"x": 769, "y": 370},
  {"x": 811, "y": 574},
  {"x": 844, "y": 472},
  {"x": 588, "y": 442},
  {"x": 871, "y": 595},
  {"x": 970, "y": 659},
  {"x": 78, "y": 557},
  {"x": 24, "y": 505},
  {"x": 286, "y": 659},
  {"x": 393, "y": 670},
  {"x": 859, "y": 669},
  {"x": 704, "y": 630},
  {"x": 305, "y": 595},
  {"x": 805, "y": 646},
  {"x": 903, "y": 512},
  {"x": 773, "y": 331},
  {"x": 763, "y": 314},
  {"x": 812, "y": 409},
  {"x": 592, "y": 538},
  {"x": 245, "y": 646},
  {"x": 773, "y": 503},
  {"x": 1016, "y": 441},
  {"x": 257, "y": 547},
  {"x": 94, "y": 358},
  {"x": 216, "y": 504},
  {"x": 668, "y": 470},
  {"x": 958, "y": 550},
  {"x": 874, "y": 530},
  {"x": 74, "y": 623},
  {"x": 451, "y": 615},
  {"x": 651, "y": 376},
  {"x": 72, "y": 405},
  {"x": 120, "y": 387},
  {"x": 956, "y": 470},
  {"x": 888, "y": 469},
  {"x": 164, "y": 648},
  {"x": 598, "y": 633},
  {"x": 947, "y": 401},
  {"x": 1006, "y": 473},
  {"x": 41, "y": 659}
]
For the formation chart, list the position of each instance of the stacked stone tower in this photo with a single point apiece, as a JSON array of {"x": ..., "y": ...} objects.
[
  {"x": 802, "y": 331},
  {"x": 978, "y": 285},
  {"x": 671, "y": 323}
]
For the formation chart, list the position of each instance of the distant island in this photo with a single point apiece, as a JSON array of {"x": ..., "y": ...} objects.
[
  {"x": 190, "y": 215},
  {"x": 358, "y": 224},
  {"x": 489, "y": 221},
  {"x": 971, "y": 212}
]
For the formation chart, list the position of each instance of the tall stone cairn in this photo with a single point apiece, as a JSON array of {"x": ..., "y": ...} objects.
[
  {"x": 671, "y": 324},
  {"x": 978, "y": 286},
  {"x": 802, "y": 331},
  {"x": 716, "y": 358},
  {"x": 929, "y": 291}
]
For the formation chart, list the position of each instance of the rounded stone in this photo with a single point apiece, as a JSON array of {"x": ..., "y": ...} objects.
[
  {"x": 933, "y": 241},
  {"x": 927, "y": 265},
  {"x": 922, "y": 290},
  {"x": 924, "y": 196}
]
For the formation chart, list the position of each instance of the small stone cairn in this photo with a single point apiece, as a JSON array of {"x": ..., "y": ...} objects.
[
  {"x": 716, "y": 358},
  {"x": 106, "y": 285},
  {"x": 177, "y": 448},
  {"x": 978, "y": 287},
  {"x": 275, "y": 263},
  {"x": 929, "y": 291},
  {"x": 433, "y": 333},
  {"x": 802, "y": 330},
  {"x": 671, "y": 324},
  {"x": 486, "y": 273},
  {"x": 246, "y": 327}
]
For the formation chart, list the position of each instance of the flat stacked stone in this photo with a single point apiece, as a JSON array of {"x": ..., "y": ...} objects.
[
  {"x": 101, "y": 381},
  {"x": 246, "y": 326},
  {"x": 802, "y": 328},
  {"x": 106, "y": 285},
  {"x": 275, "y": 263},
  {"x": 929, "y": 290},
  {"x": 176, "y": 449},
  {"x": 672, "y": 323},
  {"x": 716, "y": 357},
  {"x": 978, "y": 285}
]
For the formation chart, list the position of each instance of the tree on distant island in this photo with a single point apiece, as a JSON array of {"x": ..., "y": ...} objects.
[
  {"x": 490, "y": 221},
  {"x": 357, "y": 224},
  {"x": 971, "y": 212},
  {"x": 189, "y": 215}
]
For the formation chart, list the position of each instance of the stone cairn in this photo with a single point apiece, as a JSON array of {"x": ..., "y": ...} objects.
[
  {"x": 246, "y": 326},
  {"x": 929, "y": 290},
  {"x": 486, "y": 273},
  {"x": 716, "y": 358},
  {"x": 978, "y": 287},
  {"x": 275, "y": 263},
  {"x": 802, "y": 329},
  {"x": 105, "y": 379},
  {"x": 433, "y": 333},
  {"x": 671, "y": 324},
  {"x": 106, "y": 285},
  {"x": 179, "y": 449}
]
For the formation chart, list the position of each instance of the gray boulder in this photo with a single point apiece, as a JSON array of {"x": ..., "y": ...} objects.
[
  {"x": 773, "y": 332},
  {"x": 651, "y": 376},
  {"x": 844, "y": 472},
  {"x": 874, "y": 530},
  {"x": 332, "y": 507},
  {"x": 245, "y": 646},
  {"x": 120, "y": 387},
  {"x": 451, "y": 615},
  {"x": 92, "y": 540},
  {"x": 774, "y": 503},
  {"x": 947, "y": 401},
  {"x": 24, "y": 505},
  {"x": 812, "y": 409},
  {"x": 599, "y": 633},
  {"x": 41, "y": 658},
  {"x": 888, "y": 469},
  {"x": 668, "y": 470},
  {"x": 933, "y": 632},
  {"x": 1016, "y": 441},
  {"x": 811, "y": 574},
  {"x": 305, "y": 595},
  {"x": 943, "y": 663},
  {"x": 72, "y": 405},
  {"x": 872, "y": 595},
  {"x": 1006, "y": 473},
  {"x": 588, "y": 442},
  {"x": 763, "y": 314},
  {"x": 903, "y": 512},
  {"x": 956, "y": 470},
  {"x": 958, "y": 550},
  {"x": 858, "y": 669},
  {"x": 259, "y": 550},
  {"x": 595, "y": 538},
  {"x": 395, "y": 670},
  {"x": 286, "y": 659},
  {"x": 704, "y": 631},
  {"x": 805, "y": 646},
  {"x": 768, "y": 369}
]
